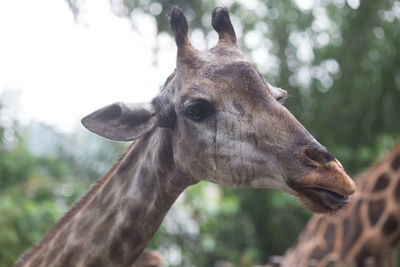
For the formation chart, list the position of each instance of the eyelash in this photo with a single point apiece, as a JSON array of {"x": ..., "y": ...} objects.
[
  {"x": 281, "y": 99},
  {"x": 198, "y": 109}
]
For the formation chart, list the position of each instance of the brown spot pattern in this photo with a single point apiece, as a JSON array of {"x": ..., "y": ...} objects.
[
  {"x": 390, "y": 225},
  {"x": 329, "y": 237},
  {"x": 132, "y": 157},
  {"x": 82, "y": 227},
  {"x": 146, "y": 186},
  {"x": 58, "y": 245},
  {"x": 381, "y": 183},
  {"x": 352, "y": 228},
  {"x": 116, "y": 251},
  {"x": 62, "y": 238},
  {"x": 395, "y": 163},
  {"x": 397, "y": 191},
  {"x": 50, "y": 258},
  {"x": 362, "y": 255},
  {"x": 375, "y": 209},
  {"x": 126, "y": 245},
  {"x": 38, "y": 261},
  {"x": 395, "y": 241},
  {"x": 71, "y": 257},
  {"x": 94, "y": 262},
  {"x": 131, "y": 236},
  {"x": 103, "y": 230},
  {"x": 316, "y": 253},
  {"x": 106, "y": 202}
]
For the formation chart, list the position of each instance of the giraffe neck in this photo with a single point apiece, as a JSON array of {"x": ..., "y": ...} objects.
[
  {"x": 365, "y": 228},
  {"x": 114, "y": 226}
]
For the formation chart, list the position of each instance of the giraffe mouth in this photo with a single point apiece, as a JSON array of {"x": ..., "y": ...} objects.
[
  {"x": 330, "y": 198},
  {"x": 321, "y": 200},
  {"x": 325, "y": 199}
]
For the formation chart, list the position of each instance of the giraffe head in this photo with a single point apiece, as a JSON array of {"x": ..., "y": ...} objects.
[{"x": 228, "y": 125}]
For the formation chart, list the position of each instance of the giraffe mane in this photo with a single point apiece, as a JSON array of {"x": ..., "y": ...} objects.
[{"x": 82, "y": 202}]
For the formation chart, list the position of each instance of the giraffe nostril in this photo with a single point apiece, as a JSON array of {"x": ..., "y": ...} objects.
[{"x": 318, "y": 155}]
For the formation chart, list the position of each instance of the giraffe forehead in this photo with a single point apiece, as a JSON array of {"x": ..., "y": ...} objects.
[
  {"x": 227, "y": 80},
  {"x": 235, "y": 70}
]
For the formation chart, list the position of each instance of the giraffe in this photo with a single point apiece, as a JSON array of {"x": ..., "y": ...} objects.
[
  {"x": 148, "y": 258},
  {"x": 364, "y": 228},
  {"x": 216, "y": 119}
]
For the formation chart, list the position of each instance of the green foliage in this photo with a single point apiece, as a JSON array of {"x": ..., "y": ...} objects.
[
  {"x": 37, "y": 189},
  {"x": 25, "y": 219},
  {"x": 15, "y": 165}
]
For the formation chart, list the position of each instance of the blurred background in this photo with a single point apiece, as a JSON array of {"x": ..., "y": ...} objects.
[{"x": 62, "y": 59}]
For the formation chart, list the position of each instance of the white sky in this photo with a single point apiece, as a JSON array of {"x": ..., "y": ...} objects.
[{"x": 64, "y": 70}]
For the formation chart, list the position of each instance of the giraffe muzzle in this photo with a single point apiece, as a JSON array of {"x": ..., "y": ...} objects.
[
  {"x": 324, "y": 186},
  {"x": 321, "y": 200},
  {"x": 329, "y": 198}
]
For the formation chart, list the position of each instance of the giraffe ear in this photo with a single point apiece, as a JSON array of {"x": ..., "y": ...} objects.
[
  {"x": 121, "y": 122},
  {"x": 278, "y": 93}
]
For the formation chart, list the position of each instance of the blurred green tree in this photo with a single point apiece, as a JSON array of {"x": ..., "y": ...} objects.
[
  {"x": 36, "y": 189},
  {"x": 339, "y": 61}
]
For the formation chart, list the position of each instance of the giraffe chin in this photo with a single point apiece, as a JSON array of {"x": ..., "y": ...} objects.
[{"x": 321, "y": 200}]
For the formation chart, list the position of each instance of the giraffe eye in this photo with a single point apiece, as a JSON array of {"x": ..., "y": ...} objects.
[{"x": 198, "y": 109}]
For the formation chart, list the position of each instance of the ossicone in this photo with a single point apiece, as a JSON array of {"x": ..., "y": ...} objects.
[
  {"x": 180, "y": 28},
  {"x": 179, "y": 25},
  {"x": 222, "y": 24}
]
